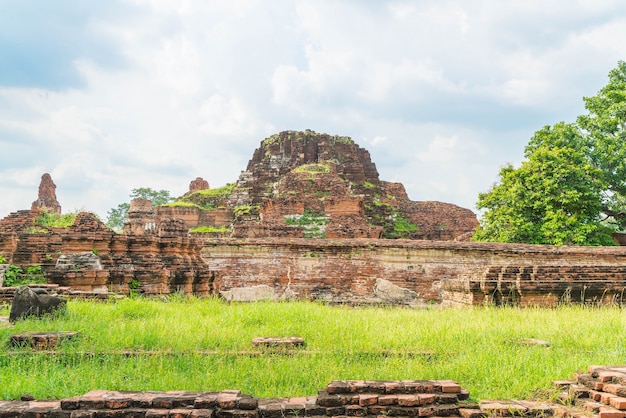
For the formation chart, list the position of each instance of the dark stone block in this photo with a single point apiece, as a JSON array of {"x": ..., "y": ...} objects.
[{"x": 28, "y": 303}]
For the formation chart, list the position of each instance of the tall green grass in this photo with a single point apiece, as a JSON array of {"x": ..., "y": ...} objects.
[{"x": 205, "y": 345}]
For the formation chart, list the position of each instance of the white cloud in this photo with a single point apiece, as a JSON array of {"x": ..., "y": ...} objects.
[{"x": 440, "y": 91}]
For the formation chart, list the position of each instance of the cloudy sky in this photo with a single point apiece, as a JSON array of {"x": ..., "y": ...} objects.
[{"x": 113, "y": 95}]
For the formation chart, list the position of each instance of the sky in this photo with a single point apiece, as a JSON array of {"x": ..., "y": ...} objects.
[{"x": 114, "y": 95}]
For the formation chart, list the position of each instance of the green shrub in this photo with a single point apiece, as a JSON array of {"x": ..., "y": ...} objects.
[
  {"x": 15, "y": 276},
  {"x": 50, "y": 219},
  {"x": 2, "y": 259},
  {"x": 402, "y": 224}
]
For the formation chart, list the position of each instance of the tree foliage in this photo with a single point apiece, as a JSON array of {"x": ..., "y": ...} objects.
[
  {"x": 118, "y": 215},
  {"x": 571, "y": 187}
]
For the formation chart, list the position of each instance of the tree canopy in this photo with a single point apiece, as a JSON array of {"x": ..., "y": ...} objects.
[
  {"x": 571, "y": 187},
  {"x": 118, "y": 215}
]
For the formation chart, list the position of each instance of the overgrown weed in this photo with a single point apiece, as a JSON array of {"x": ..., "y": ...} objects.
[{"x": 205, "y": 345}]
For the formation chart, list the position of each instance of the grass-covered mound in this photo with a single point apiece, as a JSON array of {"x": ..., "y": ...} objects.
[{"x": 205, "y": 345}]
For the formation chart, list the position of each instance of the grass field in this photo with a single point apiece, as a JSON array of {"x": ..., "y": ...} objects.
[{"x": 205, "y": 345}]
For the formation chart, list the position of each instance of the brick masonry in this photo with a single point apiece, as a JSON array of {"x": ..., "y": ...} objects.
[
  {"x": 599, "y": 393},
  {"x": 348, "y": 270},
  {"x": 354, "y": 398},
  {"x": 355, "y": 271}
]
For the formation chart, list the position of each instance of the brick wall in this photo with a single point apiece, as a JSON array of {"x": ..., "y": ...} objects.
[{"x": 348, "y": 270}]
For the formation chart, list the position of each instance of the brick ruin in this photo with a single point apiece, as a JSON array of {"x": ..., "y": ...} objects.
[
  {"x": 47, "y": 197},
  {"x": 90, "y": 257},
  {"x": 598, "y": 393},
  {"x": 292, "y": 173},
  {"x": 410, "y": 272},
  {"x": 265, "y": 250}
]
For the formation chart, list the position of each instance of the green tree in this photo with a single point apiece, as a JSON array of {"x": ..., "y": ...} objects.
[
  {"x": 605, "y": 125},
  {"x": 571, "y": 189},
  {"x": 117, "y": 216},
  {"x": 554, "y": 197}
]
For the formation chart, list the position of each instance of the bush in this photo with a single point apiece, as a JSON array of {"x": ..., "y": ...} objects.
[{"x": 15, "y": 276}]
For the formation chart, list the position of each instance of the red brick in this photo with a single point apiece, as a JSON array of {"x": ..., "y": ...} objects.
[
  {"x": 611, "y": 413},
  {"x": 409, "y": 400},
  {"x": 388, "y": 400},
  {"x": 618, "y": 402},
  {"x": 368, "y": 399}
]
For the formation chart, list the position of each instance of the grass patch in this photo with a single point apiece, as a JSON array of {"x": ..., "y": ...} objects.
[
  {"x": 206, "y": 199},
  {"x": 205, "y": 345},
  {"x": 180, "y": 203},
  {"x": 50, "y": 219}
]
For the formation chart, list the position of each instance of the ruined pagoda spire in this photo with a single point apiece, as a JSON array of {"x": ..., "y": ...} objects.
[{"x": 47, "y": 197}]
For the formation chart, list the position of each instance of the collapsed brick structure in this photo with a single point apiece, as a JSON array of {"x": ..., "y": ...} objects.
[
  {"x": 330, "y": 182},
  {"x": 424, "y": 398},
  {"x": 599, "y": 393},
  {"x": 162, "y": 262},
  {"x": 294, "y": 172},
  {"x": 47, "y": 198}
]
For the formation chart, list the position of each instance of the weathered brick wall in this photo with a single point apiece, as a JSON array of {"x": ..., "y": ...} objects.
[
  {"x": 335, "y": 270},
  {"x": 351, "y": 270},
  {"x": 350, "y": 205},
  {"x": 189, "y": 214},
  {"x": 158, "y": 263}
]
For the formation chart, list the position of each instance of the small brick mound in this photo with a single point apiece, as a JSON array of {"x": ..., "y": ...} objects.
[
  {"x": 41, "y": 340},
  {"x": 601, "y": 391},
  {"x": 278, "y": 341}
]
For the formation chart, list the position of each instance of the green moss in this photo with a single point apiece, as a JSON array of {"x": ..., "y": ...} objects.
[
  {"x": 369, "y": 185},
  {"x": 242, "y": 210},
  {"x": 223, "y": 191},
  {"x": 209, "y": 229},
  {"x": 336, "y": 139},
  {"x": 180, "y": 203},
  {"x": 313, "y": 223},
  {"x": 317, "y": 168},
  {"x": 206, "y": 199}
]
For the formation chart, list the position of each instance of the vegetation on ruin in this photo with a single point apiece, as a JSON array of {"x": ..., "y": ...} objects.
[
  {"x": 241, "y": 210},
  {"x": 318, "y": 168},
  {"x": 571, "y": 187},
  {"x": 402, "y": 225},
  {"x": 298, "y": 135},
  {"x": 312, "y": 222},
  {"x": 394, "y": 224},
  {"x": 207, "y": 229},
  {"x": 51, "y": 219},
  {"x": 16, "y": 276},
  {"x": 206, "y": 199},
  {"x": 205, "y": 345},
  {"x": 118, "y": 215}
]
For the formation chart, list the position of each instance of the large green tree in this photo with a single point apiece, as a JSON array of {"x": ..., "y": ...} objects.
[
  {"x": 571, "y": 187},
  {"x": 118, "y": 215},
  {"x": 605, "y": 125}
]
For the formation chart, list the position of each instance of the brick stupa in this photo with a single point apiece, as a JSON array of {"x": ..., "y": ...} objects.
[{"x": 47, "y": 198}]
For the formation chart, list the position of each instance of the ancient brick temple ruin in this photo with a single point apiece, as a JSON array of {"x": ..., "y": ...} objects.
[
  {"x": 306, "y": 184},
  {"x": 90, "y": 257},
  {"x": 308, "y": 219}
]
